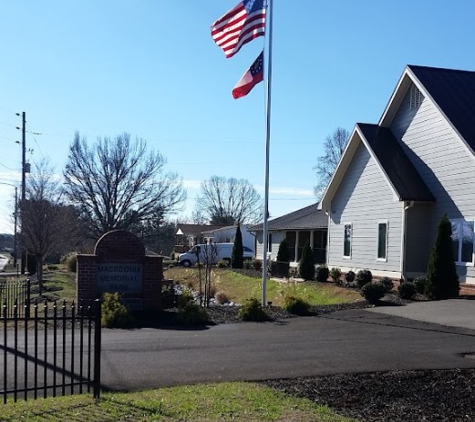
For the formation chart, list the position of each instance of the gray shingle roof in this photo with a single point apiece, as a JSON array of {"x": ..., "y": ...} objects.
[
  {"x": 454, "y": 93},
  {"x": 308, "y": 218},
  {"x": 395, "y": 163}
]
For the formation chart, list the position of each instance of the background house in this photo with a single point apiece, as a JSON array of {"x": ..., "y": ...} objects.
[
  {"x": 396, "y": 179},
  {"x": 298, "y": 227},
  {"x": 188, "y": 235},
  {"x": 228, "y": 234}
]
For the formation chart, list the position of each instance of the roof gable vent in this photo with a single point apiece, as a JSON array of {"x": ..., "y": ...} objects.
[{"x": 416, "y": 98}]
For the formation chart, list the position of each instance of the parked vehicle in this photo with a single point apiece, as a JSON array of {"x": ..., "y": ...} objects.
[{"x": 211, "y": 253}]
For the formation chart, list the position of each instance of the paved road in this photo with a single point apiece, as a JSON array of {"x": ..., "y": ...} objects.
[
  {"x": 341, "y": 342},
  {"x": 346, "y": 341}
]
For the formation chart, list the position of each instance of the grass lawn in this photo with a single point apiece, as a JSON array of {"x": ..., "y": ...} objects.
[
  {"x": 239, "y": 401},
  {"x": 59, "y": 283},
  {"x": 239, "y": 288}
]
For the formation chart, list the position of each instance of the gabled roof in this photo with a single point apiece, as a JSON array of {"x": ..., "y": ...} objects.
[
  {"x": 308, "y": 218},
  {"x": 452, "y": 91},
  {"x": 226, "y": 228},
  {"x": 194, "y": 229},
  {"x": 397, "y": 167}
]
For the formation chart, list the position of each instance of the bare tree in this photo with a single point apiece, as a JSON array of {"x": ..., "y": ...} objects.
[
  {"x": 209, "y": 254},
  {"x": 228, "y": 201},
  {"x": 43, "y": 216},
  {"x": 116, "y": 184},
  {"x": 334, "y": 146}
]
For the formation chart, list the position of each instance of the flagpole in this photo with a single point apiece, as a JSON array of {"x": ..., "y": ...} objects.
[{"x": 267, "y": 149}]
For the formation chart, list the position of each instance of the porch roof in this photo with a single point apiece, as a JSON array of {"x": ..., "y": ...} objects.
[{"x": 308, "y": 218}]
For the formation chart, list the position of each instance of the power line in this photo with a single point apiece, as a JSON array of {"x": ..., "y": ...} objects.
[{"x": 9, "y": 168}]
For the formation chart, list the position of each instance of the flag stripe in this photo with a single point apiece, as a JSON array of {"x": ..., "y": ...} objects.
[{"x": 238, "y": 27}]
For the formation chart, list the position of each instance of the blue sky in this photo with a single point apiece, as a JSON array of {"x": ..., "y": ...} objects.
[{"x": 150, "y": 68}]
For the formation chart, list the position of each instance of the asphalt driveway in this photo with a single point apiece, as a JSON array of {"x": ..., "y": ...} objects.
[
  {"x": 450, "y": 313},
  {"x": 341, "y": 342}
]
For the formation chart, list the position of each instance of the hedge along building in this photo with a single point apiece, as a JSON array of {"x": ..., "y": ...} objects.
[{"x": 120, "y": 264}]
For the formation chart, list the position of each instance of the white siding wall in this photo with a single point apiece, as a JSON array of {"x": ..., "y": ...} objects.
[
  {"x": 277, "y": 237},
  {"x": 363, "y": 199},
  {"x": 442, "y": 160}
]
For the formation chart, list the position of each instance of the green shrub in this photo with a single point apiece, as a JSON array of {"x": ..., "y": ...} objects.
[
  {"x": 335, "y": 274},
  {"x": 185, "y": 298},
  {"x": 350, "y": 276},
  {"x": 168, "y": 297},
  {"x": 307, "y": 264},
  {"x": 387, "y": 283},
  {"x": 256, "y": 265},
  {"x": 322, "y": 273},
  {"x": 372, "y": 292},
  {"x": 420, "y": 283},
  {"x": 252, "y": 311},
  {"x": 407, "y": 290},
  {"x": 114, "y": 313},
  {"x": 296, "y": 305},
  {"x": 222, "y": 264},
  {"x": 193, "y": 314},
  {"x": 363, "y": 277},
  {"x": 247, "y": 265},
  {"x": 279, "y": 269},
  {"x": 442, "y": 279}
]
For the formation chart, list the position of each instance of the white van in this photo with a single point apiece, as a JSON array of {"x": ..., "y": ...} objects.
[{"x": 211, "y": 253}]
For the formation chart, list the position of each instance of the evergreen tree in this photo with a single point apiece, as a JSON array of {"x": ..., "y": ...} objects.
[
  {"x": 307, "y": 264},
  {"x": 238, "y": 250},
  {"x": 283, "y": 253},
  {"x": 442, "y": 278},
  {"x": 281, "y": 267}
]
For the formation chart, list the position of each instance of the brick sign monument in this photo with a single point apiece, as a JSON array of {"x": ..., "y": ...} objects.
[{"x": 120, "y": 264}]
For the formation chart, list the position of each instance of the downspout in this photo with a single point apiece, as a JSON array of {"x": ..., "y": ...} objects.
[
  {"x": 403, "y": 239},
  {"x": 327, "y": 251}
]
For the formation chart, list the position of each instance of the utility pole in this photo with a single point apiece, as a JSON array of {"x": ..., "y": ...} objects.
[
  {"x": 23, "y": 187},
  {"x": 15, "y": 240}
]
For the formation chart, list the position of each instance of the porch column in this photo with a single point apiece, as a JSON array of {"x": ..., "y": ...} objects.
[{"x": 296, "y": 247}]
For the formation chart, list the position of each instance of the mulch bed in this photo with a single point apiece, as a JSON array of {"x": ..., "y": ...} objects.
[{"x": 398, "y": 396}]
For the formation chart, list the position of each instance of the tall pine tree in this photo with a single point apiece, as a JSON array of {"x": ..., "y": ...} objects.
[
  {"x": 283, "y": 253},
  {"x": 442, "y": 278},
  {"x": 307, "y": 263},
  {"x": 238, "y": 250}
]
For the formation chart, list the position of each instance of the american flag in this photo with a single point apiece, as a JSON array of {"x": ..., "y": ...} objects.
[{"x": 239, "y": 26}]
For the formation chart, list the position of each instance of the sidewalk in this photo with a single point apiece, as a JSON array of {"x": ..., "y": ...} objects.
[{"x": 452, "y": 313}]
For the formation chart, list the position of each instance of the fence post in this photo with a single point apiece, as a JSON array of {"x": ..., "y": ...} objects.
[
  {"x": 97, "y": 350},
  {"x": 27, "y": 299}
]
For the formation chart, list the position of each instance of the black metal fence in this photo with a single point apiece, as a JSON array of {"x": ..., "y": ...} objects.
[
  {"x": 13, "y": 292},
  {"x": 54, "y": 352}
]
